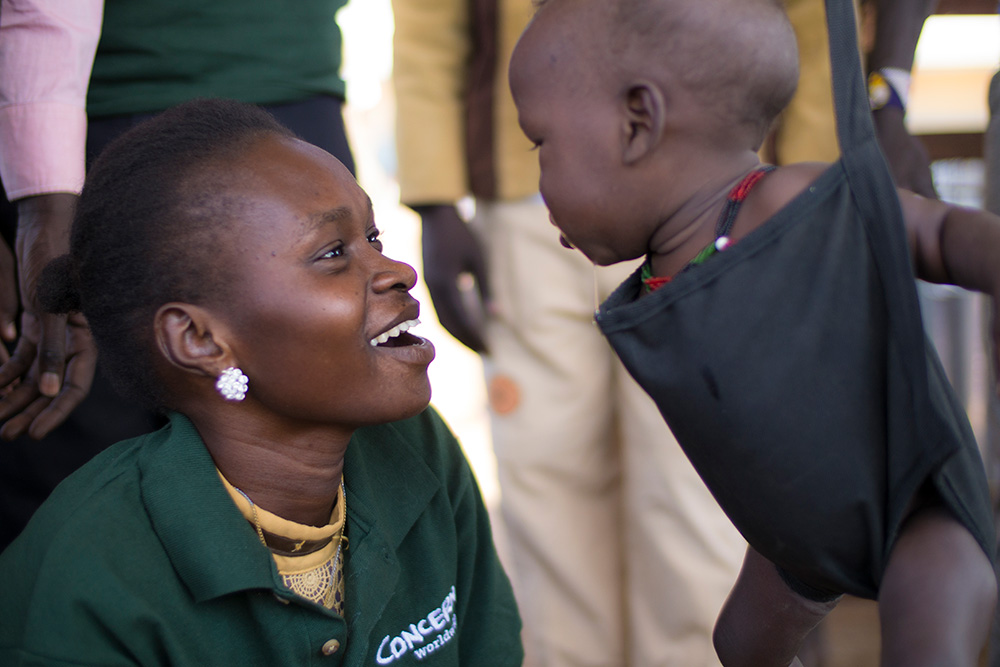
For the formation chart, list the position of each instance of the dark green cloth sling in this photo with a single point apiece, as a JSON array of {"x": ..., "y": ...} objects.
[{"x": 794, "y": 370}]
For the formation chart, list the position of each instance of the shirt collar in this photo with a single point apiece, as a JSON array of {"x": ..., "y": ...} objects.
[
  {"x": 210, "y": 544},
  {"x": 213, "y": 548}
]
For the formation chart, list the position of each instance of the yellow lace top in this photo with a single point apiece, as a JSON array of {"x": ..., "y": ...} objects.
[{"x": 317, "y": 576}]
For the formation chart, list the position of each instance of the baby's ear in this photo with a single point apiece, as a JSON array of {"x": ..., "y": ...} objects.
[
  {"x": 644, "y": 116},
  {"x": 191, "y": 339}
]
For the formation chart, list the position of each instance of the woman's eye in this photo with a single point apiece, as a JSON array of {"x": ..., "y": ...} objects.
[
  {"x": 333, "y": 253},
  {"x": 373, "y": 238}
]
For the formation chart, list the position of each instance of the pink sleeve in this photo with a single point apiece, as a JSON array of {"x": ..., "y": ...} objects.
[{"x": 46, "y": 53}]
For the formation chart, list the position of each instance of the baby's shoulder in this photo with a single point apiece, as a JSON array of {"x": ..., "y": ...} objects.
[
  {"x": 785, "y": 183},
  {"x": 780, "y": 187}
]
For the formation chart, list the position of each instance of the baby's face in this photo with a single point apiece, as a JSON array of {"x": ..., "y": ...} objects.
[
  {"x": 315, "y": 296},
  {"x": 571, "y": 117}
]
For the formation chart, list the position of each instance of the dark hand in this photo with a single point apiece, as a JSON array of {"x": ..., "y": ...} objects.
[
  {"x": 53, "y": 364},
  {"x": 908, "y": 159},
  {"x": 455, "y": 273},
  {"x": 24, "y": 407}
]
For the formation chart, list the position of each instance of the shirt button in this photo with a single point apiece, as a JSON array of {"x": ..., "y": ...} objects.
[{"x": 331, "y": 647}]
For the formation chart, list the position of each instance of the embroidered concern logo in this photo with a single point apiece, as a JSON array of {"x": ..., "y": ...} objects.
[{"x": 423, "y": 637}]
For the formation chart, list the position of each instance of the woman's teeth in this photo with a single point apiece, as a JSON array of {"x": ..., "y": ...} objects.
[{"x": 393, "y": 332}]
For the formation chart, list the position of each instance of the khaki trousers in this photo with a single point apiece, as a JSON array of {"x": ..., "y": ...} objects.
[{"x": 620, "y": 555}]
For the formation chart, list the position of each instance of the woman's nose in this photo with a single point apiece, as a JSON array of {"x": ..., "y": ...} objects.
[{"x": 396, "y": 275}]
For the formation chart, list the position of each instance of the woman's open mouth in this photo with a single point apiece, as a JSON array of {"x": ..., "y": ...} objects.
[{"x": 397, "y": 336}]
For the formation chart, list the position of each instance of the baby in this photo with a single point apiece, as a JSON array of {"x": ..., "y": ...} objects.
[
  {"x": 304, "y": 503},
  {"x": 775, "y": 320}
]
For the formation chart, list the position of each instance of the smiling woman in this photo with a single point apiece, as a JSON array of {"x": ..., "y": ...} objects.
[{"x": 233, "y": 276}]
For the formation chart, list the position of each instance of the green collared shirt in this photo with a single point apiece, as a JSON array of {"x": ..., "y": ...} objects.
[{"x": 141, "y": 558}]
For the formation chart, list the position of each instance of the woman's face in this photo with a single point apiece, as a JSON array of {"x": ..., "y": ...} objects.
[{"x": 312, "y": 292}]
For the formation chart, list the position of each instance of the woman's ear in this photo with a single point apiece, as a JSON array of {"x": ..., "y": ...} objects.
[
  {"x": 189, "y": 338},
  {"x": 644, "y": 116}
]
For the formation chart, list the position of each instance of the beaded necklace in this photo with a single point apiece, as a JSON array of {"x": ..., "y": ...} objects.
[{"x": 734, "y": 199}]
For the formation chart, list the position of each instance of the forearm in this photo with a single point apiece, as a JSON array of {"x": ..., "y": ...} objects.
[
  {"x": 953, "y": 244},
  {"x": 897, "y": 29},
  {"x": 970, "y": 241},
  {"x": 431, "y": 49},
  {"x": 47, "y": 50},
  {"x": 54, "y": 210},
  {"x": 43, "y": 226}
]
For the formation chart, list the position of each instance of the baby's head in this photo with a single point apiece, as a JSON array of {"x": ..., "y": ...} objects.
[
  {"x": 211, "y": 237},
  {"x": 630, "y": 101}
]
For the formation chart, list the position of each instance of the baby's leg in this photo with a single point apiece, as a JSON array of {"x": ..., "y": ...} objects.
[
  {"x": 763, "y": 622},
  {"x": 937, "y": 595}
]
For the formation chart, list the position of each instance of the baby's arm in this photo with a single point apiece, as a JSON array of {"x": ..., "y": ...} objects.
[{"x": 955, "y": 245}]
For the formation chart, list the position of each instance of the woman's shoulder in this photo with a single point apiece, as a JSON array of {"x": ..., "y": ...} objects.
[
  {"x": 82, "y": 501},
  {"x": 92, "y": 522},
  {"x": 98, "y": 508}
]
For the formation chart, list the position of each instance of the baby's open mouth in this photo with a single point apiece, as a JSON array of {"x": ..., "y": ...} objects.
[{"x": 397, "y": 336}]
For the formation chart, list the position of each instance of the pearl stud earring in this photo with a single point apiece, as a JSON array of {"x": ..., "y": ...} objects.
[{"x": 232, "y": 384}]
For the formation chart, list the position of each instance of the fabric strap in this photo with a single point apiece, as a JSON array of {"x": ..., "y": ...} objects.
[{"x": 875, "y": 195}]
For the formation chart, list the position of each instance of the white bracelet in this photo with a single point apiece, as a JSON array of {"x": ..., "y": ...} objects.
[{"x": 899, "y": 79}]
